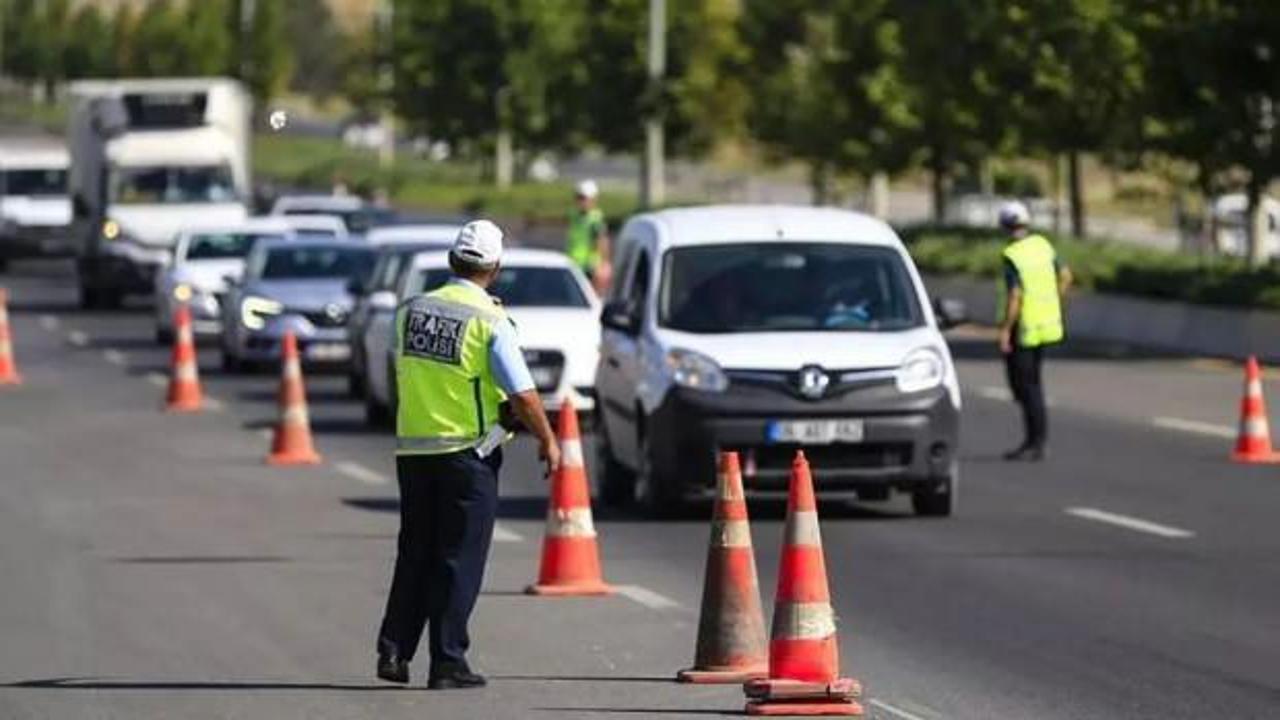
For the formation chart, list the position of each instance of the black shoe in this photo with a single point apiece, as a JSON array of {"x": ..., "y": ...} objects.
[
  {"x": 1028, "y": 453},
  {"x": 455, "y": 679},
  {"x": 392, "y": 669}
]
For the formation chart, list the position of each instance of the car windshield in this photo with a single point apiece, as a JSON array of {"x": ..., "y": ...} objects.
[
  {"x": 517, "y": 286},
  {"x": 770, "y": 287},
  {"x": 305, "y": 262},
  {"x": 172, "y": 185},
  {"x": 222, "y": 246},
  {"x": 35, "y": 183}
]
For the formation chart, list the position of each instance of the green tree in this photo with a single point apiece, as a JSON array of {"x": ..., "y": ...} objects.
[
  {"x": 123, "y": 26},
  {"x": 319, "y": 47},
  {"x": 208, "y": 42},
  {"x": 22, "y": 44},
  {"x": 88, "y": 49},
  {"x": 269, "y": 54},
  {"x": 158, "y": 42}
]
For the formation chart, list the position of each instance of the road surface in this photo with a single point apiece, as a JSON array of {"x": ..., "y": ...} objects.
[{"x": 153, "y": 567}]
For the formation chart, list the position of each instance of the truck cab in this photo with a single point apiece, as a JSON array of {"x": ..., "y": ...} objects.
[{"x": 149, "y": 157}]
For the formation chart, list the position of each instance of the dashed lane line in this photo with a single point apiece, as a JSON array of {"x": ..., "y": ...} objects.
[
  {"x": 648, "y": 598},
  {"x": 1130, "y": 523},
  {"x": 504, "y": 534},
  {"x": 49, "y": 322},
  {"x": 1194, "y": 426},
  {"x": 115, "y": 357},
  {"x": 992, "y": 392},
  {"x": 213, "y": 404},
  {"x": 157, "y": 379},
  {"x": 356, "y": 471},
  {"x": 78, "y": 338},
  {"x": 893, "y": 709}
]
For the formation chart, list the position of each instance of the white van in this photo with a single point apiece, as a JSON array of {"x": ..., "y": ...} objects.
[
  {"x": 34, "y": 209},
  {"x": 766, "y": 330}
]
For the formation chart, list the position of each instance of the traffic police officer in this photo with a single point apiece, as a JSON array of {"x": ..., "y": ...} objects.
[
  {"x": 457, "y": 360},
  {"x": 1030, "y": 310},
  {"x": 588, "y": 239}
]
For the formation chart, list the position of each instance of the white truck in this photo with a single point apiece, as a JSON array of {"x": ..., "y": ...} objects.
[
  {"x": 148, "y": 158},
  {"x": 34, "y": 210}
]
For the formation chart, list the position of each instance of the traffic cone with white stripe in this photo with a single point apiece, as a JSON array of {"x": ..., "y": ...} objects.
[
  {"x": 731, "y": 640},
  {"x": 8, "y": 366},
  {"x": 1254, "y": 442},
  {"x": 291, "y": 444},
  {"x": 570, "y": 556},
  {"x": 804, "y": 662},
  {"x": 184, "y": 380}
]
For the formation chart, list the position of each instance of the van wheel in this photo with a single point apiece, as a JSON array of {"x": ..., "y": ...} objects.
[
  {"x": 355, "y": 384},
  {"x": 653, "y": 489},
  {"x": 617, "y": 483},
  {"x": 940, "y": 498},
  {"x": 164, "y": 336}
]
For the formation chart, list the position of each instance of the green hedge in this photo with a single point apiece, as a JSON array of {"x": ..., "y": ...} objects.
[{"x": 1107, "y": 266}]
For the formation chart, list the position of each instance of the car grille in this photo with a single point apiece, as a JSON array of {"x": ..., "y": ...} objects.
[
  {"x": 546, "y": 366},
  {"x": 788, "y": 381},
  {"x": 776, "y": 459}
]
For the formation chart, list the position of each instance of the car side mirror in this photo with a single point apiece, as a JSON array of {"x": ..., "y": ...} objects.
[
  {"x": 384, "y": 301},
  {"x": 950, "y": 312},
  {"x": 231, "y": 280},
  {"x": 622, "y": 316},
  {"x": 355, "y": 286}
]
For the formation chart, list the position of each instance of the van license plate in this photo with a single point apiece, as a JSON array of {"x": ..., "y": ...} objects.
[{"x": 814, "y": 432}]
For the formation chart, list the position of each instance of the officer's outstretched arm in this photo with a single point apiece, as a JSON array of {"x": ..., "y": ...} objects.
[{"x": 527, "y": 406}]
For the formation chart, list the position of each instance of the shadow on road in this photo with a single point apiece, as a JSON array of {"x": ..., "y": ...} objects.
[
  {"x": 94, "y": 684},
  {"x": 586, "y": 678},
  {"x": 637, "y": 711}
]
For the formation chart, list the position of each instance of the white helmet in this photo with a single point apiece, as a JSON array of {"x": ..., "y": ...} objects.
[
  {"x": 587, "y": 189},
  {"x": 1014, "y": 214}
]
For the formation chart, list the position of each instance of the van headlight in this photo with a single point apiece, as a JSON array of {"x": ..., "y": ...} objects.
[
  {"x": 255, "y": 310},
  {"x": 922, "y": 370},
  {"x": 696, "y": 371}
]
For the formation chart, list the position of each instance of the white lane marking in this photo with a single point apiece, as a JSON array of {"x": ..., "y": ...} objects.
[
  {"x": 157, "y": 379},
  {"x": 647, "y": 597},
  {"x": 504, "y": 534},
  {"x": 115, "y": 357},
  {"x": 893, "y": 709},
  {"x": 992, "y": 392},
  {"x": 49, "y": 322},
  {"x": 1194, "y": 426},
  {"x": 356, "y": 471},
  {"x": 78, "y": 338},
  {"x": 267, "y": 433},
  {"x": 213, "y": 404},
  {"x": 1129, "y": 522}
]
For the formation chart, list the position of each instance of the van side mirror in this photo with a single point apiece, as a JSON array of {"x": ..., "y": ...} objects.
[
  {"x": 231, "y": 280},
  {"x": 950, "y": 312},
  {"x": 622, "y": 316},
  {"x": 355, "y": 286}
]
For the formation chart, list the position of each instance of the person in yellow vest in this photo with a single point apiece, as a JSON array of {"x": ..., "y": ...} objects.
[
  {"x": 460, "y": 375},
  {"x": 587, "y": 243},
  {"x": 1031, "y": 319}
]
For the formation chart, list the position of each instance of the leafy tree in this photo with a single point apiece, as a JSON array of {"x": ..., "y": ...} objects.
[
  {"x": 88, "y": 50},
  {"x": 123, "y": 26},
  {"x": 269, "y": 53},
  {"x": 319, "y": 47},
  {"x": 159, "y": 42},
  {"x": 208, "y": 42},
  {"x": 22, "y": 43}
]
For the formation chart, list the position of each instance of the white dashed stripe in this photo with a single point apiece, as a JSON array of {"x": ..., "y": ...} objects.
[
  {"x": 359, "y": 472},
  {"x": 571, "y": 523},
  {"x": 648, "y": 598},
  {"x": 213, "y": 404},
  {"x": 115, "y": 357},
  {"x": 157, "y": 379},
  {"x": 503, "y": 534},
  {"x": 49, "y": 322},
  {"x": 1194, "y": 426},
  {"x": 77, "y": 338},
  {"x": 991, "y": 392},
  {"x": 1130, "y": 523},
  {"x": 893, "y": 710}
]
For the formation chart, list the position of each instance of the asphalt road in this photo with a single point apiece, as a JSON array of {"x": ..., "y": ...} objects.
[{"x": 152, "y": 567}]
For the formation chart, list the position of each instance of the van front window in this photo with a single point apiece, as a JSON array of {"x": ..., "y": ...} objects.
[
  {"x": 778, "y": 287},
  {"x": 172, "y": 185},
  {"x": 33, "y": 182}
]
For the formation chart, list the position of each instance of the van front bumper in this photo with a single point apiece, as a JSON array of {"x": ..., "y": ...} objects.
[{"x": 908, "y": 440}]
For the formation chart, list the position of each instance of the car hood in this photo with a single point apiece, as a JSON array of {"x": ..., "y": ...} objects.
[
  {"x": 557, "y": 327},
  {"x": 158, "y": 225},
  {"x": 793, "y": 350},
  {"x": 208, "y": 275},
  {"x": 36, "y": 211},
  {"x": 304, "y": 295}
]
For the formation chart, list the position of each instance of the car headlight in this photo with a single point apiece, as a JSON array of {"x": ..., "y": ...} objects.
[
  {"x": 921, "y": 370},
  {"x": 255, "y": 310},
  {"x": 696, "y": 371},
  {"x": 182, "y": 292},
  {"x": 111, "y": 229}
]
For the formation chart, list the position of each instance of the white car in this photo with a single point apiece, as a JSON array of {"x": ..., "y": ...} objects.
[
  {"x": 767, "y": 330},
  {"x": 554, "y": 308},
  {"x": 34, "y": 210},
  {"x": 203, "y": 260},
  {"x": 316, "y": 227},
  {"x": 357, "y": 215}
]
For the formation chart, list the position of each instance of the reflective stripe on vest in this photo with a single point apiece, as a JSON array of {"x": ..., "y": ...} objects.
[
  {"x": 1040, "y": 316},
  {"x": 447, "y": 396},
  {"x": 582, "y": 247}
]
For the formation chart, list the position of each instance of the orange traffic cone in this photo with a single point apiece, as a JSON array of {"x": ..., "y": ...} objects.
[
  {"x": 731, "y": 642},
  {"x": 292, "y": 442},
  {"x": 570, "y": 557},
  {"x": 1254, "y": 442},
  {"x": 804, "y": 663},
  {"x": 8, "y": 366},
  {"x": 184, "y": 379}
]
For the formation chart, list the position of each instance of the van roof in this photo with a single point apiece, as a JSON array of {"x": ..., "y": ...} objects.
[
  {"x": 715, "y": 224},
  {"x": 33, "y": 153},
  {"x": 120, "y": 86}
]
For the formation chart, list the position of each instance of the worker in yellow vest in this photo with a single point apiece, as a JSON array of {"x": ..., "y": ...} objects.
[
  {"x": 459, "y": 369},
  {"x": 587, "y": 243},
  {"x": 1030, "y": 306}
]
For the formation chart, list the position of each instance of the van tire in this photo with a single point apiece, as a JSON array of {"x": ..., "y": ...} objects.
[
  {"x": 617, "y": 483},
  {"x": 653, "y": 489},
  {"x": 940, "y": 498}
]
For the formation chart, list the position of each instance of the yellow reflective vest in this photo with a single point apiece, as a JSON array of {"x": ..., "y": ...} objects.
[
  {"x": 584, "y": 231},
  {"x": 447, "y": 396},
  {"x": 1040, "y": 319}
]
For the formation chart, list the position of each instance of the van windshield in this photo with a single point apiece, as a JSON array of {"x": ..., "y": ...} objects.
[
  {"x": 779, "y": 287},
  {"x": 33, "y": 182},
  {"x": 172, "y": 185}
]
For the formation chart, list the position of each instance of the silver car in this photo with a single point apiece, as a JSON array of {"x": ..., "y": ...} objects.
[{"x": 293, "y": 285}]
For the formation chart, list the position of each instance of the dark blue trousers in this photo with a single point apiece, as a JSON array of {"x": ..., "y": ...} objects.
[{"x": 447, "y": 507}]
